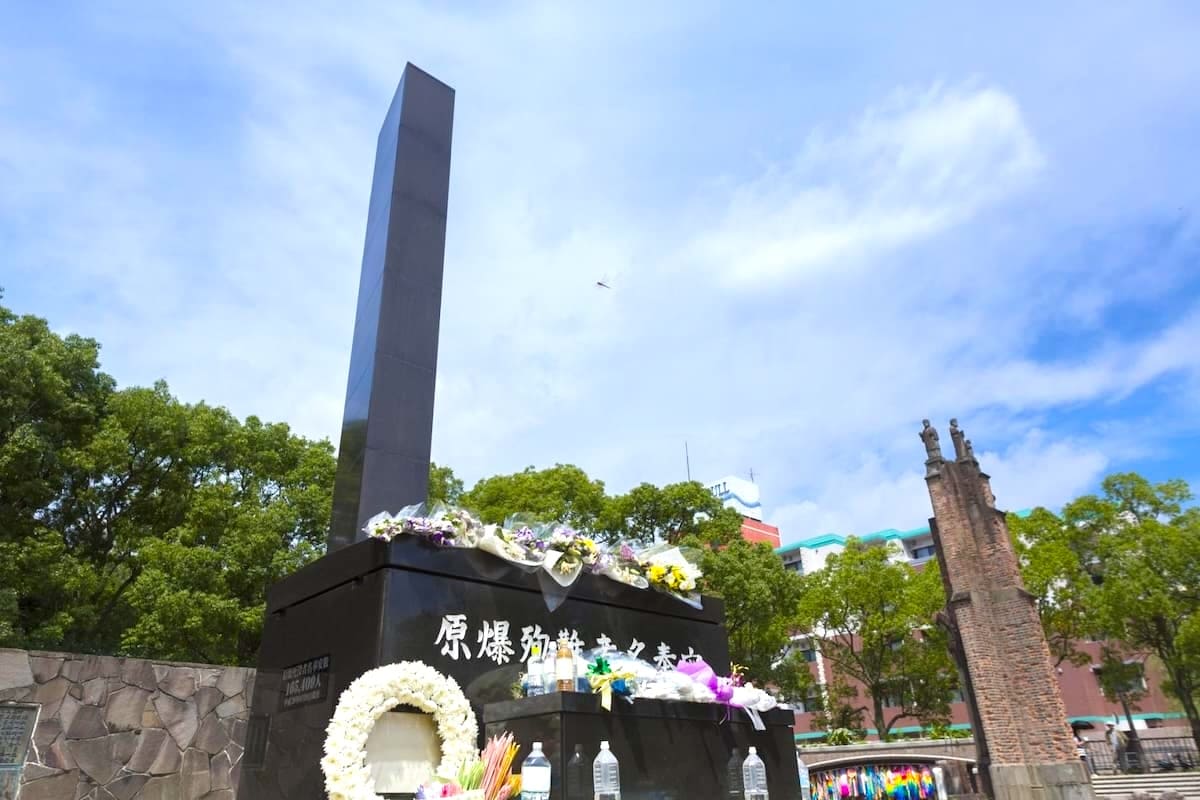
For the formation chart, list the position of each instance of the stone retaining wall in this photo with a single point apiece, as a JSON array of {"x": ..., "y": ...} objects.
[{"x": 122, "y": 728}]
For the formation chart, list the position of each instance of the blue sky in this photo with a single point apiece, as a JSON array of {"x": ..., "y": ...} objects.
[{"x": 821, "y": 226}]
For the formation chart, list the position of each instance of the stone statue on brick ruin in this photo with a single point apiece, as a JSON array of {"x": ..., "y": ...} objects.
[
  {"x": 1024, "y": 743},
  {"x": 933, "y": 449},
  {"x": 956, "y": 436}
]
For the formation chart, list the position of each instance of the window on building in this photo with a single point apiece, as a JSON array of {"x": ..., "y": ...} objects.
[
  {"x": 809, "y": 703},
  {"x": 894, "y": 695},
  {"x": 1154, "y": 722},
  {"x": 1133, "y": 674},
  {"x": 805, "y": 648},
  {"x": 928, "y": 551}
]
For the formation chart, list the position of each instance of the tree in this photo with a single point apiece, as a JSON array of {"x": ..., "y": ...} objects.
[
  {"x": 1148, "y": 577},
  {"x": 260, "y": 512},
  {"x": 1057, "y": 561},
  {"x": 761, "y": 603},
  {"x": 133, "y": 523},
  {"x": 675, "y": 513},
  {"x": 873, "y": 619},
  {"x": 52, "y": 395},
  {"x": 562, "y": 493},
  {"x": 444, "y": 487},
  {"x": 837, "y": 709}
]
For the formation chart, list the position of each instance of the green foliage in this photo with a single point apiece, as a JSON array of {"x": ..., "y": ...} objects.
[
  {"x": 837, "y": 708},
  {"x": 761, "y": 603},
  {"x": 874, "y": 619},
  {"x": 678, "y": 513},
  {"x": 133, "y": 523},
  {"x": 562, "y": 493},
  {"x": 1147, "y": 598},
  {"x": 444, "y": 487},
  {"x": 941, "y": 730},
  {"x": 840, "y": 737},
  {"x": 1123, "y": 567},
  {"x": 1121, "y": 677},
  {"x": 1055, "y": 558}
]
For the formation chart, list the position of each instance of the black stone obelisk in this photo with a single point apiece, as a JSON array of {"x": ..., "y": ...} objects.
[{"x": 383, "y": 460}]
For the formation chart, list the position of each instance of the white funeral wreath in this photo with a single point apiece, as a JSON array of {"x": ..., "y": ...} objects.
[{"x": 370, "y": 696}]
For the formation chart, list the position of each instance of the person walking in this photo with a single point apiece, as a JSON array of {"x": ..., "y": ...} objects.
[
  {"x": 1081, "y": 749},
  {"x": 1117, "y": 741}
]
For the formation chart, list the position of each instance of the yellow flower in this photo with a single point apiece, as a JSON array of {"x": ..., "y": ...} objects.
[{"x": 656, "y": 572}]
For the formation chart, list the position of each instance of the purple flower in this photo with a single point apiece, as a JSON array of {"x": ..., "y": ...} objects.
[{"x": 627, "y": 553}]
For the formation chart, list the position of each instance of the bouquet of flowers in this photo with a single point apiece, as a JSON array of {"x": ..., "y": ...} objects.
[
  {"x": 621, "y": 565},
  {"x": 563, "y": 553},
  {"x": 567, "y": 553},
  {"x": 488, "y": 777},
  {"x": 440, "y": 525},
  {"x": 669, "y": 569},
  {"x": 519, "y": 546}
]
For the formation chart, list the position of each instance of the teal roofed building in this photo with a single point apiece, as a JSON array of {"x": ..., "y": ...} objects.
[{"x": 914, "y": 546}]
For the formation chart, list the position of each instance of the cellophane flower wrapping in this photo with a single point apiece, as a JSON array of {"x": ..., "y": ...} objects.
[{"x": 673, "y": 570}]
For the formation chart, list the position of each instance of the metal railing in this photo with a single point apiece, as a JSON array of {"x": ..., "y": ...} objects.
[{"x": 1156, "y": 755}]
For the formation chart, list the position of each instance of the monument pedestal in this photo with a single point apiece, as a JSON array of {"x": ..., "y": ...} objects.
[
  {"x": 666, "y": 749},
  {"x": 466, "y": 613},
  {"x": 1041, "y": 782}
]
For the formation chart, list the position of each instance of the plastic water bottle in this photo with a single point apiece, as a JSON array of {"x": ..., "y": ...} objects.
[
  {"x": 606, "y": 775},
  {"x": 754, "y": 776},
  {"x": 533, "y": 677},
  {"x": 535, "y": 775},
  {"x": 733, "y": 776},
  {"x": 548, "y": 684},
  {"x": 578, "y": 780}
]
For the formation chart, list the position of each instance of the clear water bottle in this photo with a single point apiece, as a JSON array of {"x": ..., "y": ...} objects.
[
  {"x": 534, "y": 684},
  {"x": 606, "y": 775},
  {"x": 548, "y": 683},
  {"x": 535, "y": 775},
  {"x": 754, "y": 776},
  {"x": 733, "y": 776},
  {"x": 578, "y": 781}
]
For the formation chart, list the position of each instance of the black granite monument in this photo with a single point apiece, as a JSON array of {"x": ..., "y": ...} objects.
[
  {"x": 667, "y": 750},
  {"x": 369, "y": 603},
  {"x": 383, "y": 459}
]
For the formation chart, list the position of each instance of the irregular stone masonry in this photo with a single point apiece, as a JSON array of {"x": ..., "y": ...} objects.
[{"x": 123, "y": 728}]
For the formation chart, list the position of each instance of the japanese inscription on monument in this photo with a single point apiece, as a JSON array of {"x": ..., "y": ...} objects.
[{"x": 16, "y": 726}]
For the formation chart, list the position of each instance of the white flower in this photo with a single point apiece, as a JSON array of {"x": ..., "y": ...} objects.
[{"x": 376, "y": 692}]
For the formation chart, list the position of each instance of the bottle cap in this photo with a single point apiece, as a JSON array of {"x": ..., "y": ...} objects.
[
  {"x": 753, "y": 750},
  {"x": 604, "y": 745},
  {"x": 537, "y": 745}
]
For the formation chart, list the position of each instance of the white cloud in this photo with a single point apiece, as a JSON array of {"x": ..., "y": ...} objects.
[
  {"x": 909, "y": 169},
  {"x": 1035, "y": 470},
  {"x": 889, "y": 257}
]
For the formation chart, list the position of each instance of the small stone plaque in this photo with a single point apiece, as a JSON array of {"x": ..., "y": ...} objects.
[
  {"x": 16, "y": 729},
  {"x": 305, "y": 683}
]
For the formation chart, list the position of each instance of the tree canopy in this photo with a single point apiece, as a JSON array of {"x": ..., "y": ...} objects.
[
  {"x": 562, "y": 493},
  {"x": 872, "y": 618},
  {"x": 1122, "y": 567},
  {"x": 133, "y": 523},
  {"x": 762, "y": 602}
]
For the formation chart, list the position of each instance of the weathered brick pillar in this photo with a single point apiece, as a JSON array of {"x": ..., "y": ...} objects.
[{"x": 1026, "y": 746}]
